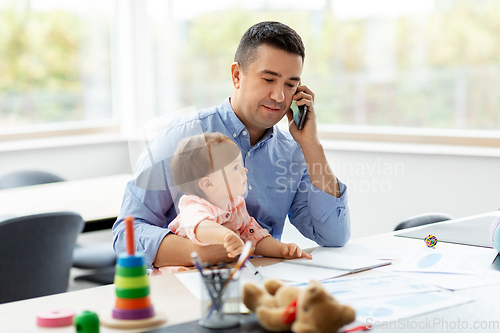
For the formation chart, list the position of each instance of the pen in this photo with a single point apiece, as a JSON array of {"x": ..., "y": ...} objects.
[
  {"x": 245, "y": 254},
  {"x": 197, "y": 264},
  {"x": 357, "y": 329},
  {"x": 254, "y": 269}
]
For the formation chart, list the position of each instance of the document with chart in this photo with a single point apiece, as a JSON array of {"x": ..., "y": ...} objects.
[{"x": 471, "y": 260}]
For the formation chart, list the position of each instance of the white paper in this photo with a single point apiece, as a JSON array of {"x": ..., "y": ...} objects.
[
  {"x": 454, "y": 281},
  {"x": 298, "y": 273},
  {"x": 473, "y": 260},
  {"x": 393, "y": 309},
  {"x": 374, "y": 251},
  {"x": 374, "y": 286},
  {"x": 192, "y": 281}
]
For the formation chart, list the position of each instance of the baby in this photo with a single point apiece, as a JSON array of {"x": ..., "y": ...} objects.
[{"x": 208, "y": 169}]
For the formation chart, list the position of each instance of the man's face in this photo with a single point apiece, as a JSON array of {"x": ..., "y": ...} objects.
[{"x": 265, "y": 90}]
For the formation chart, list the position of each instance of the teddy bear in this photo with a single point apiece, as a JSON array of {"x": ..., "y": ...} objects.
[{"x": 281, "y": 308}]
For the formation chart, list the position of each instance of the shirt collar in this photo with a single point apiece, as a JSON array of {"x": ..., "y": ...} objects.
[
  {"x": 234, "y": 124},
  {"x": 228, "y": 116}
]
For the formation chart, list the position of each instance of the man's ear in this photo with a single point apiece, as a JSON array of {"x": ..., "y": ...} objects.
[
  {"x": 236, "y": 73},
  {"x": 206, "y": 184}
]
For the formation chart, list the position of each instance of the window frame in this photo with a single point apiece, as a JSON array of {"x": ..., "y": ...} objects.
[{"x": 475, "y": 138}]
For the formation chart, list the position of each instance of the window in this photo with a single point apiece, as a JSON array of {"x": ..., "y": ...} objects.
[
  {"x": 55, "y": 63},
  {"x": 388, "y": 65},
  {"x": 428, "y": 68}
]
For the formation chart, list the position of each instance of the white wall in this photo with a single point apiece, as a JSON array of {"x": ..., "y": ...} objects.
[
  {"x": 70, "y": 161},
  {"x": 384, "y": 187},
  {"x": 387, "y": 187},
  {"x": 419, "y": 183}
]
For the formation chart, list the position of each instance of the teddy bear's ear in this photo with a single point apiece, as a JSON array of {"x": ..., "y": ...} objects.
[
  {"x": 315, "y": 288},
  {"x": 348, "y": 314},
  {"x": 254, "y": 295},
  {"x": 272, "y": 285},
  {"x": 300, "y": 327}
]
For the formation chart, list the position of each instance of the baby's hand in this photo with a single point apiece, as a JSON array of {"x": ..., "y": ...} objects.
[
  {"x": 292, "y": 251},
  {"x": 233, "y": 244}
]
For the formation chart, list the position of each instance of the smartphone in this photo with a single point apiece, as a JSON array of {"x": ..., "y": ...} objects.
[{"x": 299, "y": 114}]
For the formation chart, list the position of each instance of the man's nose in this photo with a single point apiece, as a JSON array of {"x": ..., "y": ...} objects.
[{"x": 278, "y": 94}]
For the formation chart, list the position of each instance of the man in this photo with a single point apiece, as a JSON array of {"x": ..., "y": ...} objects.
[{"x": 285, "y": 176}]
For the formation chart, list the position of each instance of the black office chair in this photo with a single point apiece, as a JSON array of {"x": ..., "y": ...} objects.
[
  {"x": 423, "y": 219},
  {"x": 20, "y": 178},
  {"x": 36, "y": 254},
  {"x": 92, "y": 257},
  {"x": 101, "y": 258}
]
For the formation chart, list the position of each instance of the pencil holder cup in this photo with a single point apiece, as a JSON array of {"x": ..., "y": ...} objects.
[{"x": 220, "y": 300}]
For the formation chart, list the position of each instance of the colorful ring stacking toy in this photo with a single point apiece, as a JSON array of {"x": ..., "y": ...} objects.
[
  {"x": 86, "y": 322},
  {"x": 431, "y": 241},
  {"x": 55, "y": 318},
  {"x": 133, "y": 308},
  {"x": 132, "y": 283}
]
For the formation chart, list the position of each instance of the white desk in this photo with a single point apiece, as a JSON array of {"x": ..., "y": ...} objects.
[
  {"x": 171, "y": 297},
  {"x": 94, "y": 199}
]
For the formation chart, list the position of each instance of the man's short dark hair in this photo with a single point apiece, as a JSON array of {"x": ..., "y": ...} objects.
[{"x": 271, "y": 33}]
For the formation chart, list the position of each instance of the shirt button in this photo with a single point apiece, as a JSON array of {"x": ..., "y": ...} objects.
[
  {"x": 234, "y": 135},
  {"x": 251, "y": 231},
  {"x": 249, "y": 187},
  {"x": 227, "y": 215},
  {"x": 245, "y": 132},
  {"x": 248, "y": 154}
]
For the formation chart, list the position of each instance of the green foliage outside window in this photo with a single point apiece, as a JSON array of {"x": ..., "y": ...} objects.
[
  {"x": 460, "y": 69},
  {"x": 39, "y": 66},
  {"x": 445, "y": 71}
]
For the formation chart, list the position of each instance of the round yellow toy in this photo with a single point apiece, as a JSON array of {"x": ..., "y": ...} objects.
[{"x": 431, "y": 241}]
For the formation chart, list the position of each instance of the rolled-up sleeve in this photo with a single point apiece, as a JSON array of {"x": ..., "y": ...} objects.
[
  {"x": 149, "y": 220},
  {"x": 322, "y": 217},
  {"x": 253, "y": 232}
]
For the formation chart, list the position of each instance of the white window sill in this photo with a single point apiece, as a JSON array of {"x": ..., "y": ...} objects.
[
  {"x": 410, "y": 148},
  {"x": 62, "y": 141},
  {"x": 341, "y": 145},
  {"x": 370, "y": 140}
]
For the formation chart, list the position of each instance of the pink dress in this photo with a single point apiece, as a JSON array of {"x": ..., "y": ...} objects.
[{"x": 193, "y": 210}]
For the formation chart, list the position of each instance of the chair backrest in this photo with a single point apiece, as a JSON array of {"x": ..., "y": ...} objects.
[
  {"x": 21, "y": 178},
  {"x": 423, "y": 219},
  {"x": 36, "y": 254}
]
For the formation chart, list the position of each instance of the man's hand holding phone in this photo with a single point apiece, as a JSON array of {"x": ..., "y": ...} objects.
[
  {"x": 302, "y": 123},
  {"x": 299, "y": 114}
]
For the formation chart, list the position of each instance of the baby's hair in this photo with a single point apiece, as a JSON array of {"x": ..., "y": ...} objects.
[{"x": 198, "y": 156}]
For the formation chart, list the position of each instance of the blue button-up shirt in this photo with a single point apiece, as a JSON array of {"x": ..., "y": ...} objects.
[{"x": 278, "y": 185}]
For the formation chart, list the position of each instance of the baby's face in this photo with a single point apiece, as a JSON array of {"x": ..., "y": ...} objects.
[{"x": 236, "y": 178}]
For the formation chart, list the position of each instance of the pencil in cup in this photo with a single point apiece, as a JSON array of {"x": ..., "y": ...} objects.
[
  {"x": 232, "y": 277},
  {"x": 214, "y": 281},
  {"x": 217, "y": 282}
]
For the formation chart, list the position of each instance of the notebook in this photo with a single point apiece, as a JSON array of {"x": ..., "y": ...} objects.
[
  {"x": 324, "y": 258},
  {"x": 474, "y": 231},
  {"x": 326, "y": 264}
]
